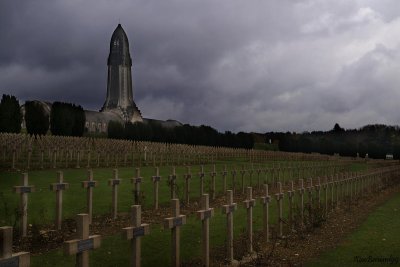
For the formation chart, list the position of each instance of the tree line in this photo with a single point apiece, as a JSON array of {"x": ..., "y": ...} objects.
[
  {"x": 186, "y": 134},
  {"x": 375, "y": 140},
  {"x": 69, "y": 120}
]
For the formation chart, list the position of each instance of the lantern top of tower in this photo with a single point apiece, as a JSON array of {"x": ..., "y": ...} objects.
[
  {"x": 119, "y": 38},
  {"x": 119, "y": 48}
]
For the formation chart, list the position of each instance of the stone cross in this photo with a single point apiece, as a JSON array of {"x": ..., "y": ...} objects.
[
  {"x": 301, "y": 192},
  {"x": 55, "y": 158},
  {"x": 89, "y": 185},
  {"x": 251, "y": 176},
  {"x": 265, "y": 202},
  {"x": 187, "y": 178},
  {"x": 78, "y": 159},
  {"x": 228, "y": 210},
  {"x": 351, "y": 182},
  {"x": 23, "y": 191},
  {"x": 88, "y": 158},
  {"x": 114, "y": 183},
  {"x": 325, "y": 187},
  {"x": 337, "y": 182},
  {"x": 318, "y": 189},
  {"x": 266, "y": 171},
  {"x": 332, "y": 184},
  {"x": 42, "y": 159},
  {"x": 291, "y": 194},
  {"x": 134, "y": 233},
  {"x": 14, "y": 157},
  {"x": 172, "y": 181},
  {"x": 204, "y": 215},
  {"x": 258, "y": 179},
  {"x": 224, "y": 173},
  {"x": 156, "y": 180},
  {"x": 29, "y": 157},
  {"x": 137, "y": 181},
  {"x": 98, "y": 158},
  {"x": 279, "y": 198},
  {"x": 83, "y": 243},
  {"x": 145, "y": 153},
  {"x": 201, "y": 176},
  {"x": 7, "y": 258},
  {"x": 310, "y": 192},
  {"x": 249, "y": 203},
  {"x": 213, "y": 174},
  {"x": 59, "y": 188},
  {"x": 233, "y": 181},
  {"x": 243, "y": 173},
  {"x": 273, "y": 176},
  {"x": 174, "y": 223}
]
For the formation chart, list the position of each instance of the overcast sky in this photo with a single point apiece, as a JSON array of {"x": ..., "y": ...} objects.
[{"x": 266, "y": 65}]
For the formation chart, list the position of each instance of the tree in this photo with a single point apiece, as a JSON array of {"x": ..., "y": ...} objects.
[
  {"x": 115, "y": 130},
  {"x": 36, "y": 119},
  {"x": 67, "y": 119},
  {"x": 10, "y": 114},
  {"x": 337, "y": 128},
  {"x": 78, "y": 127}
]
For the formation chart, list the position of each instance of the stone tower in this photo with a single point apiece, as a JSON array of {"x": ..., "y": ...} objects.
[{"x": 119, "y": 83}]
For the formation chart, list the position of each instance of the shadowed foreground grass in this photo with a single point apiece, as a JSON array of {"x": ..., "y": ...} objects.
[{"x": 375, "y": 243}]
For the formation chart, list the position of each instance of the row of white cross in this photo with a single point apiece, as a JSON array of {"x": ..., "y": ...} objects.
[
  {"x": 86, "y": 242},
  {"x": 60, "y": 186}
]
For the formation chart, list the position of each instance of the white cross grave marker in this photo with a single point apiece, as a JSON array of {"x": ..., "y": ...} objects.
[
  {"x": 81, "y": 246},
  {"x": 279, "y": 199},
  {"x": 265, "y": 202},
  {"x": 204, "y": 215},
  {"x": 89, "y": 185},
  {"x": 24, "y": 190},
  {"x": 228, "y": 210},
  {"x": 156, "y": 179},
  {"x": 174, "y": 223},
  {"x": 137, "y": 181},
  {"x": 135, "y": 232},
  {"x": 114, "y": 183},
  {"x": 7, "y": 258},
  {"x": 249, "y": 203},
  {"x": 59, "y": 188}
]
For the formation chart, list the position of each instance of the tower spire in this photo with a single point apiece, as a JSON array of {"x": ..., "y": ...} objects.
[{"x": 119, "y": 83}]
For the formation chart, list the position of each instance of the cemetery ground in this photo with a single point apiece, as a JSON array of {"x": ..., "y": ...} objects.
[
  {"x": 375, "y": 242},
  {"x": 45, "y": 243}
]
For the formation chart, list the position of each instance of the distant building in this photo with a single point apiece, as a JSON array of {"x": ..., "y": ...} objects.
[
  {"x": 389, "y": 156},
  {"x": 119, "y": 105}
]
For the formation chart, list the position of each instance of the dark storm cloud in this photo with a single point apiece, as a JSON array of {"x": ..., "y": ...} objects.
[{"x": 235, "y": 65}]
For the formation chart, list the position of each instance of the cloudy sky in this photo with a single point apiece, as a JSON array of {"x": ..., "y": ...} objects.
[{"x": 254, "y": 65}]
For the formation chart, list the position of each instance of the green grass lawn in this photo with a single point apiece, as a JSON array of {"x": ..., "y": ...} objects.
[
  {"x": 41, "y": 205},
  {"x": 114, "y": 251},
  {"x": 377, "y": 240}
]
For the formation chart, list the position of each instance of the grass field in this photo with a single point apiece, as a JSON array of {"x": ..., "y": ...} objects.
[
  {"x": 375, "y": 243},
  {"x": 114, "y": 251}
]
